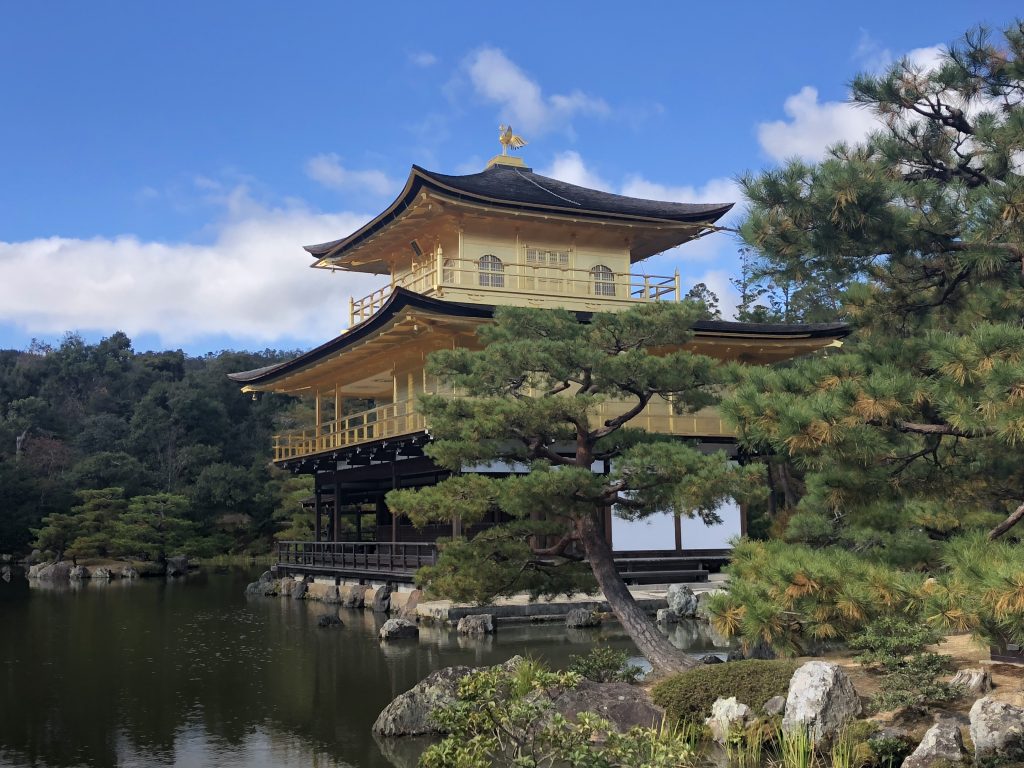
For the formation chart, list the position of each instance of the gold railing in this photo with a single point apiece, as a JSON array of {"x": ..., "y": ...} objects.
[
  {"x": 532, "y": 279},
  {"x": 389, "y": 420},
  {"x": 403, "y": 418}
]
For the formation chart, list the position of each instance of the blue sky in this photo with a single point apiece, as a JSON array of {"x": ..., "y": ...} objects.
[{"x": 162, "y": 164}]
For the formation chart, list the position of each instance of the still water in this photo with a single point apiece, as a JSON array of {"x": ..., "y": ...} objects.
[{"x": 192, "y": 673}]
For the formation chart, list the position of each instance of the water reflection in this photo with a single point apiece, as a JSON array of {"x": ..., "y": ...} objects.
[{"x": 191, "y": 673}]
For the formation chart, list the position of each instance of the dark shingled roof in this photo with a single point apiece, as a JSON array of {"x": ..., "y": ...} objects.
[
  {"x": 401, "y": 298},
  {"x": 517, "y": 187}
]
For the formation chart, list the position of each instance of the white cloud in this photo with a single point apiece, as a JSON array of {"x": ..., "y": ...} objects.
[
  {"x": 499, "y": 80},
  {"x": 328, "y": 170},
  {"x": 812, "y": 126},
  {"x": 423, "y": 59},
  {"x": 251, "y": 283},
  {"x": 569, "y": 167}
]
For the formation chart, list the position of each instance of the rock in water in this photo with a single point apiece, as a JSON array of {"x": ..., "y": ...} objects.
[
  {"x": 666, "y": 616},
  {"x": 821, "y": 700},
  {"x": 727, "y": 717},
  {"x": 582, "y": 617},
  {"x": 5, "y": 573},
  {"x": 78, "y": 573},
  {"x": 702, "y": 603},
  {"x": 102, "y": 573},
  {"x": 476, "y": 624},
  {"x": 973, "y": 682},
  {"x": 285, "y": 586},
  {"x": 300, "y": 589},
  {"x": 381, "y": 600},
  {"x": 409, "y": 713},
  {"x": 398, "y": 629},
  {"x": 129, "y": 573},
  {"x": 352, "y": 595},
  {"x": 681, "y": 601},
  {"x": 331, "y": 596},
  {"x": 997, "y": 730},
  {"x": 177, "y": 566},
  {"x": 941, "y": 746},
  {"x": 328, "y": 620},
  {"x": 711, "y": 658}
]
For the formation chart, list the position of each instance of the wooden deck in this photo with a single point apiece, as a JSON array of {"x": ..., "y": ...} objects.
[{"x": 398, "y": 562}]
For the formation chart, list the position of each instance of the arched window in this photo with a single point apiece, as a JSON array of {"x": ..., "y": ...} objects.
[
  {"x": 448, "y": 272},
  {"x": 604, "y": 280},
  {"x": 492, "y": 271}
]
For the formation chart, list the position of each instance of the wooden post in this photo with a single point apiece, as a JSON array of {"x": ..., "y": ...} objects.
[
  {"x": 337, "y": 507},
  {"x": 679, "y": 533},
  {"x": 319, "y": 422},
  {"x": 679, "y": 294},
  {"x": 317, "y": 505}
]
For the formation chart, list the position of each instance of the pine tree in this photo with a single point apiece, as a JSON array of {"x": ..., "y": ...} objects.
[
  {"x": 532, "y": 397},
  {"x": 908, "y": 438}
]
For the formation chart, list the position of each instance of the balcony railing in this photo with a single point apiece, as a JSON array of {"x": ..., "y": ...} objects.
[
  {"x": 389, "y": 420},
  {"x": 371, "y": 557},
  {"x": 403, "y": 418},
  {"x": 527, "y": 279}
]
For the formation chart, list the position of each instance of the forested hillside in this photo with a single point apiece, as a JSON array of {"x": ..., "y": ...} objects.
[{"x": 184, "y": 445}]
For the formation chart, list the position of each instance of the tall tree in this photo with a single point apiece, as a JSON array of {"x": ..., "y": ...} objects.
[
  {"x": 537, "y": 393},
  {"x": 924, "y": 222}
]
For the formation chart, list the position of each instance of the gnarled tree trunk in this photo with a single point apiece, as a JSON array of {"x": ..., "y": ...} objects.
[{"x": 655, "y": 647}]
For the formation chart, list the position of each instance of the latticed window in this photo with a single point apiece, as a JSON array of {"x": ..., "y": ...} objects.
[
  {"x": 547, "y": 258},
  {"x": 604, "y": 280},
  {"x": 448, "y": 272},
  {"x": 492, "y": 271}
]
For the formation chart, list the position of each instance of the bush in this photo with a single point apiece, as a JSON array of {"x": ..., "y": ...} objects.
[
  {"x": 688, "y": 696},
  {"x": 895, "y": 647},
  {"x": 605, "y": 665}
]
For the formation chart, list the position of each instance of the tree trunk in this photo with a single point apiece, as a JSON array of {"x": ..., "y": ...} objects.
[
  {"x": 1007, "y": 524},
  {"x": 655, "y": 647}
]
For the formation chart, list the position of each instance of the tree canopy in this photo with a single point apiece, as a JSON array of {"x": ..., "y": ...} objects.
[{"x": 550, "y": 393}]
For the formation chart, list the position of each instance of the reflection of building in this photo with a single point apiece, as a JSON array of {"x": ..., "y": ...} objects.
[{"x": 453, "y": 248}]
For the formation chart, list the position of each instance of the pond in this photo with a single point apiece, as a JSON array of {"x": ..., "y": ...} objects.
[{"x": 190, "y": 672}]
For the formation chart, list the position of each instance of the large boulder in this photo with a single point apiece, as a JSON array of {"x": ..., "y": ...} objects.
[
  {"x": 582, "y": 617},
  {"x": 60, "y": 571},
  {"x": 285, "y": 586},
  {"x": 775, "y": 706},
  {"x": 941, "y": 747},
  {"x": 625, "y": 706},
  {"x": 666, "y": 616},
  {"x": 129, "y": 573},
  {"x": 681, "y": 601},
  {"x": 821, "y": 701},
  {"x": 476, "y": 624},
  {"x": 398, "y": 629},
  {"x": 352, "y": 595},
  {"x": 300, "y": 589},
  {"x": 5, "y": 572},
  {"x": 78, "y": 573},
  {"x": 331, "y": 595},
  {"x": 973, "y": 682},
  {"x": 177, "y": 566},
  {"x": 409, "y": 713},
  {"x": 101, "y": 573},
  {"x": 381, "y": 600},
  {"x": 997, "y": 730},
  {"x": 264, "y": 585},
  {"x": 728, "y": 716}
]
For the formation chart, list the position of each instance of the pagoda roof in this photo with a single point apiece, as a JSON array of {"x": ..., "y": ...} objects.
[
  {"x": 402, "y": 299},
  {"x": 518, "y": 188}
]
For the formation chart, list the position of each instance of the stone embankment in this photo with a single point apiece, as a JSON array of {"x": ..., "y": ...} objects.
[{"x": 63, "y": 570}]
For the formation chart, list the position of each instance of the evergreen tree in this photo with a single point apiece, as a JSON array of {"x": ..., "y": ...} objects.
[
  {"x": 152, "y": 528},
  {"x": 907, "y": 438},
  {"x": 533, "y": 394}
]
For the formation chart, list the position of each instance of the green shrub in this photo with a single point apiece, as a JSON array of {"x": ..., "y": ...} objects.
[
  {"x": 605, "y": 665},
  {"x": 688, "y": 696},
  {"x": 895, "y": 648}
]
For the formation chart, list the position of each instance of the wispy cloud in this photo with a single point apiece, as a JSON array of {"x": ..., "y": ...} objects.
[
  {"x": 520, "y": 99},
  {"x": 423, "y": 59},
  {"x": 328, "y": 170}
]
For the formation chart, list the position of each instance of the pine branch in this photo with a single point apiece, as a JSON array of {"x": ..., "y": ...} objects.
[{"x": 1007, "y": 524}]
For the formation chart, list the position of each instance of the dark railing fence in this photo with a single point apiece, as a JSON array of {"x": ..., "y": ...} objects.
[{"x": 357, "y": 555}]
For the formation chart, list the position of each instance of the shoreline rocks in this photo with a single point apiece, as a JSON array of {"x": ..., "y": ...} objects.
[
  {"x": 398, "y": 629},
  {"x": 821, "y": 700},
  {"x": 579, "y": 618},
  {"x": 476, "y": 624}
]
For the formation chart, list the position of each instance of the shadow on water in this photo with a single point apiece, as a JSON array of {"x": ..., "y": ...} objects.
[{"x": 192, "y": 673}]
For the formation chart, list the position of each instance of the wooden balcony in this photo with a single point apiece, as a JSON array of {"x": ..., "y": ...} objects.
[
  {"x": 403, "y": 418},
  {"x": 527, "y": 281}
]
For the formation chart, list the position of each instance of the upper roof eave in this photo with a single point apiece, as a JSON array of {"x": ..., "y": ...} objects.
[{"x": 521, "y": 189}]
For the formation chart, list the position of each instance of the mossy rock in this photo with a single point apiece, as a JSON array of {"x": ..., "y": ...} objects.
[{"x": 688, "y": 696}]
